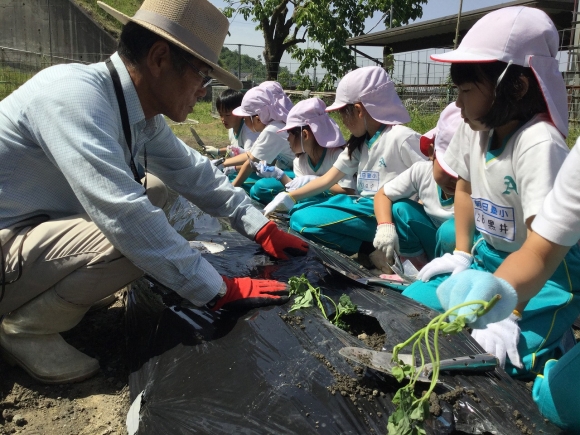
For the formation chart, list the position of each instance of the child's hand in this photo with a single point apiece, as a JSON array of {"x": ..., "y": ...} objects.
[
  {"x": 265, "y": 171},
  {"x": 298, "y": 182},
  {"x": 387, "y": 240},
  {"x": 449, "y": 263},
  {"x": 212, "y": 151}
]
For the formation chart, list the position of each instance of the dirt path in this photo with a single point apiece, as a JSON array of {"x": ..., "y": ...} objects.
[{"x": 97, "y": 406}]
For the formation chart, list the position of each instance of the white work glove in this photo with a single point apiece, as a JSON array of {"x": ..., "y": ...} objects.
[
  {"x": 298, "y": 182},
  {"x": 387, "y": 240},
  {"x": 501, "y": 339},
  {"x": 234, "y": 150},
  {"x": 212, "y": 151},
  {"x": 265, "y": 171},
  {"x": 449, "y": 263},
  {"x": 229, "y": 170},
  {"x": 282, "y": 202}
]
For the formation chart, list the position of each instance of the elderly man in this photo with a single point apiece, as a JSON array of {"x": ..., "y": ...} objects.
[{"x": 76, "y": 224}]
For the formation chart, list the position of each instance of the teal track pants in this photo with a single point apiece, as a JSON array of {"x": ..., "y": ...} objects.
[
  {"x": 417, "y": 232},
  {"x": 556, "y": 391},
  {"x": 547, "y": 316},
  {"x": 341, "y": 222},
  {"x": 249, "y": 183},
  {"x": 265, "y": 189}
]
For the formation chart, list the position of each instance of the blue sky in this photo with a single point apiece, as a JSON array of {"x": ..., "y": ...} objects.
[{"x": 242, "y": 32}]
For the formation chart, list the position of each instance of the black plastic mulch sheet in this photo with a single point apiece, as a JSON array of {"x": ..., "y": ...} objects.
[{"x": 257, "y": 373}]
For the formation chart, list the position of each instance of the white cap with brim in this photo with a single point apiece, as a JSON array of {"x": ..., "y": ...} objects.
[
  {"x": 260, "y": 101},
  {"x": 448, "y": 123},
  {"x": 372, "y": 87},
  {"x": 524, "y": 36},
  {"x": 311, "y": 112},
  {"x": 196, "y": 26},
  {"x": 279, "y": 94}
]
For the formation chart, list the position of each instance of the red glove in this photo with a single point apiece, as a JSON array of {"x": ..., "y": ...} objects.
[
  {"x": 246, "y": 293},
  {"x": 276, "y": 242}
]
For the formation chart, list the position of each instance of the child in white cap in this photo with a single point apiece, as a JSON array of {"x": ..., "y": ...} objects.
[
  {"x": 378, "y": 150},
  {"x": 240, "y": 136},
  {"x": 507, "y": 154},
  {"x": 317, "y": 141},
  {"x": 263, "y": 113},
  {"x": 426, "y": 230},
  {"x": 278, "y": 93}
]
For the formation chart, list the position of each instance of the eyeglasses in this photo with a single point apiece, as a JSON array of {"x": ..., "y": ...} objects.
[{"x": 205, "y": 79}]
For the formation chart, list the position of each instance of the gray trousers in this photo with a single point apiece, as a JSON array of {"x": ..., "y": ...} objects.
[{"x": 70, "y": 254}]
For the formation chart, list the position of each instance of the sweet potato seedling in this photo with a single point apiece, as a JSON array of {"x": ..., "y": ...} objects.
[
  {"x": 411, "y": 411},
  {"x": 307, "y": 295}
]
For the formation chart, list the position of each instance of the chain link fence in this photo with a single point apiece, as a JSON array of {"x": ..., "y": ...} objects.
[{"x": 421, "y": 83}]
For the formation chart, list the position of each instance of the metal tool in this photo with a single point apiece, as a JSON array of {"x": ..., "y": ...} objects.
[
  {"x": 197, "y": 138},
  {"x": 400, "y": 269},
  {"x": 383, "y": 282},
  {"x": 383, "y": 362},
  {"x": 206, "y": 247}
]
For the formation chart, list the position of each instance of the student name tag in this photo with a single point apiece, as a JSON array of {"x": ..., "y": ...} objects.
[
  {"x": 369, "y": 181},
  {"x": 494, "y": 219}
]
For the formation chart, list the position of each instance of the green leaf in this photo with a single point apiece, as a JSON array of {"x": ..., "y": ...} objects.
[
  {"x": 398, "y": 374},
  {"x": 304, "y": 300}
]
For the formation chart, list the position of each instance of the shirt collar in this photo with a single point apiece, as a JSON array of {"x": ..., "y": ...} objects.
[{"x": 134, "y": 109}]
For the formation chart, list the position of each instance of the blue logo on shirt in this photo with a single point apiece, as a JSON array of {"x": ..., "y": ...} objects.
[{"x": 382, "y": 163}]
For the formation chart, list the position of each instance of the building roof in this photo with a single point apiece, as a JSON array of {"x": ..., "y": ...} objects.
[{"x": 440, "y": 32}]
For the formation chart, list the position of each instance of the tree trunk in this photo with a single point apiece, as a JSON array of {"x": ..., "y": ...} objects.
[{"x": 272, "y": 57}]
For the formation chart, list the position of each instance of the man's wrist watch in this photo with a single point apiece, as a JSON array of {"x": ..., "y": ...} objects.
[{"x": 220, "y": 294}]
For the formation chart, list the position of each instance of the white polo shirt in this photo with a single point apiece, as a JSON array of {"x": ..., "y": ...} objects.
[
  {"x": 271, "y": 145},
  {"x": 418, "y": 179},
  {"x": 244, "y": 137},
  {"x": 382, "y": 158},
  {"x": 508, "y": 185},
  {"x": 303, "y": 166},
  {"x": 559, "y": 219}
]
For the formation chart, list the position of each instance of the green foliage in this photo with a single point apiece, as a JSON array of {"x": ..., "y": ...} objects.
[
  {"x": 411, "y": 411},
  {"x": 306, "y": 296},
  {"x": 327, "y": 23}
]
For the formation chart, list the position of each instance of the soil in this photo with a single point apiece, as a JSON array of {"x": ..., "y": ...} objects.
[{"x": 97, "y": 406}]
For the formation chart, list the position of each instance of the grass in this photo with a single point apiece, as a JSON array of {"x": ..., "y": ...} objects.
[{"x": 211, "y": 130}]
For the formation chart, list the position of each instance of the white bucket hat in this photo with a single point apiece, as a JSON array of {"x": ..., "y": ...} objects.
[
  {"x": 260, "y": 101},
  {"x": 523, "y": 36},
  {"x": 195, "y": 26},
  {"x": 311, "y": 112},
  {"x": 279, "y": 94},
  {"x": 448, "y": 123},
  {"x": 371, "y": 86}
]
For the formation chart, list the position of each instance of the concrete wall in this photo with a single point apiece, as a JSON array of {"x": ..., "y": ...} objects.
[{"x": 55, "y": 29}]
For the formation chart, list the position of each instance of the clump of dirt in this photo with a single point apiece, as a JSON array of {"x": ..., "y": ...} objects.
[
  {"x": 97, "y": 406},
  {"x": 520, "y": 423},
  {"x": 293, "y": 321},
  {"x": 356, "y": 389},
  {"x": 367, "y": 329},
  {"x": 452, "y": 397},
  {"x": 375, "y": 341}
]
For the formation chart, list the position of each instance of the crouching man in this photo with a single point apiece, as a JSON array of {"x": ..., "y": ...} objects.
[{"x": 76, "y": 222}]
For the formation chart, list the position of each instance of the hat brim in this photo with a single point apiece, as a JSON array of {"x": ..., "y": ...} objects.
[
  {"x": 217, "y": 72},
  {"x": 459, "y": 56},
  {"x": 238, "y": 111},
  {"x": 335, "y": 106}
]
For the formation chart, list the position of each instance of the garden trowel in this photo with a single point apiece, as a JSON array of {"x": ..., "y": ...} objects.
[{"x": 383, "y": 362}]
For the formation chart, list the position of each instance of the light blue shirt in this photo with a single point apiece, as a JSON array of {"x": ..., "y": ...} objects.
[{"x": 63, "y": 152}]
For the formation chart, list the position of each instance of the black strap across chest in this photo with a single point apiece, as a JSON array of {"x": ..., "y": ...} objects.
[{"x": 124, "y": 115}]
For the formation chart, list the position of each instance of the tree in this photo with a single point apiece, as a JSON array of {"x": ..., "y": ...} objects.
[{"x": 287, "y": 23}]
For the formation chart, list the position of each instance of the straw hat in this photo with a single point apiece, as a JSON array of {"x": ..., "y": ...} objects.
[{"x": 195, "y": 26}]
